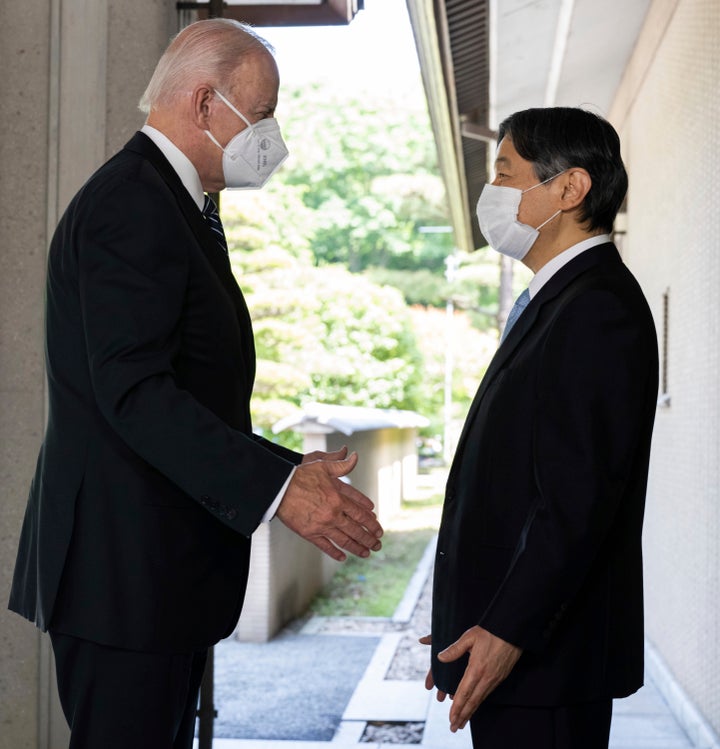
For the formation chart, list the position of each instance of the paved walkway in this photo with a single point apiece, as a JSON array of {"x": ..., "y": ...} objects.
[{"x": 642, "y": 721}]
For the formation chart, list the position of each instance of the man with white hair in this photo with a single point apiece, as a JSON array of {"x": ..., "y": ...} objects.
[{"x": 135, "y": 548}]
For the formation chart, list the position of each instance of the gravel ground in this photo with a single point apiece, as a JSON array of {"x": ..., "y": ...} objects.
[
  {"x": 411, "y": 659},
  {"x": 295, "y": 687}
]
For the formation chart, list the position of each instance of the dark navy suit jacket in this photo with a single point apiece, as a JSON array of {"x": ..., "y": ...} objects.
[
  {"x": 149, "y": 482},
  {"x": 540, "y": 540}
]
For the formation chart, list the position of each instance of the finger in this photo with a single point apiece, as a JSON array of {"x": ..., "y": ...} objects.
[
  {"x": 429, "y": 681},
  {"x": 453, "y": 652},
  {"x": 359, "y": 534},
  {"x": 362, "y": 517},
  {"x": 342, "y": 467},
  {"x": 425, "y": 640},
  {"x": 441, "y": 696},
  {"x": 467, "y": 700},
  {"x": 354, "y": 495},
  {"x": 333, "y": 455},
  {"x": 347, "y": 542},
  {"x": 328, "y": 548}
]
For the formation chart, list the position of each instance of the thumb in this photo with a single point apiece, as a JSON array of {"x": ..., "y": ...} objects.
[
  {"x": 341, "y": 467},
  {"x": 456, "y": 650}
]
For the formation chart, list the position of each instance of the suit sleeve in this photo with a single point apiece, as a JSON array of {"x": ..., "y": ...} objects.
[
  {"x": 284, "y": 452},
  {"x": 132, "y": 278},
  {"x": 596, "y": 378}
]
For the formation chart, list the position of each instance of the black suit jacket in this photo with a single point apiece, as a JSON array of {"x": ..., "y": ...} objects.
[
  {"x": 540, "y": 540},
  {"x": 149, "y": 482}
]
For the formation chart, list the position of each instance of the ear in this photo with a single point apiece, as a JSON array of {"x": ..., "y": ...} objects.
[
  {"x": 576, "y": 186},
  {"x": 201, "y": 99}
]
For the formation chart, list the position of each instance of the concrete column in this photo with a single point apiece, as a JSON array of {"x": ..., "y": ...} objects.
[
  {"x": 25, "y": 31},
  {"x": 73, "y": 71}
]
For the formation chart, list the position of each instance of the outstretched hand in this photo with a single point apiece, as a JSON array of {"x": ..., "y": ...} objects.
[
  {"x": 491, "y": 661},
  {"x": 326, "y": 511}
]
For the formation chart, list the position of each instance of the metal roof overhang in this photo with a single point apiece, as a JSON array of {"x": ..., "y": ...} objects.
[{"x": 452, "y": 40}]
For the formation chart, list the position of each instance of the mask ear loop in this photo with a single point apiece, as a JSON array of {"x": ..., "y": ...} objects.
[
  {"x": 545, "y": 181},
  {"x": 214, "y": 140},
  {"x": 547, "y": 221},
  {"x": 237, "y": 112}
]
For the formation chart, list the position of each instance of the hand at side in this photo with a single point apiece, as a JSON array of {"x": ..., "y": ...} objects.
[
  {"x": 328, "y": 512},
  {"x": 491, "y": 659}
]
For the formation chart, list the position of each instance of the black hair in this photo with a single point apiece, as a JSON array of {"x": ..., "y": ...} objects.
[{"x": 554, "y": 139}]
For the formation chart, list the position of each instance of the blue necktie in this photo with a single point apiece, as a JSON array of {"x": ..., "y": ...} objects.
[
  {"x": 520, "y": 303},
  {"x": 212, "y": 216}
]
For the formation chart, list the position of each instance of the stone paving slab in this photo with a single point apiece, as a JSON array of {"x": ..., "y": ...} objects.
[
  {"x": 437, "y": 728},
  {"x": 647, "y": 731}
]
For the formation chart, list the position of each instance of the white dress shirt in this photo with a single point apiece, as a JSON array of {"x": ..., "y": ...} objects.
[
  {"x": 553, "y": 266},
  {"x": 179, "y": 162},
  {"x": 191, "y": 181}
]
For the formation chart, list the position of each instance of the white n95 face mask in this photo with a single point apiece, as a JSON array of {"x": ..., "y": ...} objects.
[
  {"x": 497, "y": 210},
  {"x": 254, "y": 154}
]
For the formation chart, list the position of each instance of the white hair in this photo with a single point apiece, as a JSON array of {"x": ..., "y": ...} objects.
[{"x": 205, "y": 51}]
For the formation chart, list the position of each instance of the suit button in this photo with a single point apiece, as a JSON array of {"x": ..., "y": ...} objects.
[
  {"x": 204, "y": 501},
  {"x": 231, "y": 514}
]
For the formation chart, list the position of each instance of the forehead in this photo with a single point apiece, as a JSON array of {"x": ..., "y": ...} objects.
[
  {"x": 508, "y": 158},
  {"x": 257, "y": 76}
]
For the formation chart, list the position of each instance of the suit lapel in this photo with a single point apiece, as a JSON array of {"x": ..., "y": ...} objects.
[
  {"x": 566, "y": 275},
  {"x": 217, "y": 258}
]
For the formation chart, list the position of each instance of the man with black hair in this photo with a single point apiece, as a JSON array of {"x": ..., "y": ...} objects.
[{"x": 537, "y": 608}]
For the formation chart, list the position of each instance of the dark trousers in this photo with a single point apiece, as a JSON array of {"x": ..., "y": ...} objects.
[
  {"x": 116, "y": 699},
  {"x": 584, "y": 726}
]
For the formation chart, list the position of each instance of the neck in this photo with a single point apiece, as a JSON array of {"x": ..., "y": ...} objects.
[
  {"x": 192, "y": 141},
  {"x": 548, "y": 246}
]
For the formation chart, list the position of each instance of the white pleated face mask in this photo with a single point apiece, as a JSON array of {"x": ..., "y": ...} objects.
[
  {"x": 254, "y": 154},
  {"x": 497, "y": 211}
]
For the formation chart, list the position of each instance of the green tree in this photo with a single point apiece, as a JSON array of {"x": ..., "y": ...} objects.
[
  {"x": 369, "y": 171},
  {"x": 321, "y": 334}
]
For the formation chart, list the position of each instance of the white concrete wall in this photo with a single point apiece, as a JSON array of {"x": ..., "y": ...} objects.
[
  {"x": 72, "y": 74},
  {"x": 384, "y": 470},
  {"x": 286, "y": 572},
  {"x": 668, "y": 114}
]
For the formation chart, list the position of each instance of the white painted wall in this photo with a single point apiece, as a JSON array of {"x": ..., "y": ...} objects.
[{"x": 668, "y": 114}]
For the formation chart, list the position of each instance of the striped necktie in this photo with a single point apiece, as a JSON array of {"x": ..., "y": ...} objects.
[
  {"x": 517, "y": 309},
  {"x": 212, "y": 217}
]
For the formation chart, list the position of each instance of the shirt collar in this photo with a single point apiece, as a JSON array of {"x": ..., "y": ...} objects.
[
  {"x": 179, "y": 162},
  {"x": 553, "y": 266}
]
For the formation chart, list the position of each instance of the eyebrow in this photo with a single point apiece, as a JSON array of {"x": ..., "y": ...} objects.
[{"x": 502, "y": 160}]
